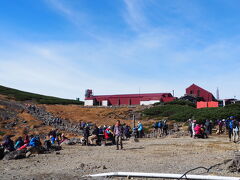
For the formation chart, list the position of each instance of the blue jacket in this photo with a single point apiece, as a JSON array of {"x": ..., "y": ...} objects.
[
  {"x": 140, "y": 127},
  {"x": 34, "y": 142}
]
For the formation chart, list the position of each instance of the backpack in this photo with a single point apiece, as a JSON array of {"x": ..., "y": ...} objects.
[
  {"x": 159, "y": 124},
  {"x": 234, "y": 124},
  {"x": 231, "y": 124},
  {"x": 155, "y": 125}
]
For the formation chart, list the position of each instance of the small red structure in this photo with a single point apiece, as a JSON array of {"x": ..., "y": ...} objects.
[
  {"x": 202, "y": 104},
  {"x": 126, "y": 99},
  {"x": 213, "y": 104},
  {"x": 199, "y": 92}
]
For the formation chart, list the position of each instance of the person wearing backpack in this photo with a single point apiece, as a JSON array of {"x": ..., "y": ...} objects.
[
  {"x": 155, "y": 130},
  {"x": 230, "y": 128},
  {"x": 160, "y": 128}
]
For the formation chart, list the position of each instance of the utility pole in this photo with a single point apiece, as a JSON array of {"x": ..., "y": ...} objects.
[{"x": 134, "y": 121}]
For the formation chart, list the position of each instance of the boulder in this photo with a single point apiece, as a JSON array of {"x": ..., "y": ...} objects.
[
  {"x": 37, "y": 150},
  {"x": 15, "y": 155},
  {"x": 234, "y": 164}
]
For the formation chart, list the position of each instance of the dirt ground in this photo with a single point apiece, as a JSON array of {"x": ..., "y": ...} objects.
[{"x": 161, "y": 155}]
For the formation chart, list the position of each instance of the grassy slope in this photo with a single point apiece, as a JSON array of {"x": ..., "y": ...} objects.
[
  {"x": 182, "y": 112},
  {"x": 41, "y": 99}
]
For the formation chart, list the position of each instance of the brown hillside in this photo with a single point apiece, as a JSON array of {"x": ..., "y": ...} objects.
[{"x": 97, "y": 115}]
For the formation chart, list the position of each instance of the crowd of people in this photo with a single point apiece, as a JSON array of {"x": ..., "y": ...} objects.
[
  {"x": 92, "y": 135},
  {"x": 199, "y": 130},
  {"x": 203, "y": 129},
  {"x": 21, "y": 143},
  {"x": 114, "y": 134},
  {"x": 160, "y": 128}
]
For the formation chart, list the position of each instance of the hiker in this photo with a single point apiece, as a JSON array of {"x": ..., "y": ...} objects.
[
  {"x": 230, "y": 128},
  {"x": 108, "y": 134},
  {"x": 26, "y": 139},
  {"x": 160, "y": 128},
  {"x": 140, "y": 130},
  {"x": 127, "y": 132},
  {"x": 25, "y": 143},
  {"x": 155, "y": 130},
  {"x": 118, "y": 132},
  {"x": 86, "y": 133},
  {"x": 165, "y": 128},
  {"x": 210, "y": 126},
  {"x": 101, "y": 133},
  {"x": 135, "y": 132},
  {"x": 207, "y": 127},
  {"x": 190, "y": 128},
  {"x": 35, "y": 141},
  {"x": 193, "y": 126},
  {"x": 63, "y": 138},
  {"x": 8, "y": 144},
  {"x": 200, "y": 131},
  {"x": 53, "y": 135},
  {"x": 19, "y": 143},
  {"x": 235, "y": 130},
  {"x": 220, "y": 126},
  {"x": 94, "y": 135}
]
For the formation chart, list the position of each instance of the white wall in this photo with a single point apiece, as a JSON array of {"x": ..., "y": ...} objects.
[
  {"x": 88, "y": 103},
  {"x": 105, "y": 103},
  {"x": 149, "y": 102}
]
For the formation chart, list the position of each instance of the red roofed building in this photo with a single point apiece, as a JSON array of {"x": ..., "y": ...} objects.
[
  {"x": 199, "y": 92},
  {"x": 126, "y": 99}
]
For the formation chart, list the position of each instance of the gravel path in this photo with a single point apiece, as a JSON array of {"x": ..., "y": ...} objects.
[{"x": 168, "y": 155}]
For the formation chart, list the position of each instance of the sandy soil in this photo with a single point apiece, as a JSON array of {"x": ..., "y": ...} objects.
[{"x": 167, "y": 155}]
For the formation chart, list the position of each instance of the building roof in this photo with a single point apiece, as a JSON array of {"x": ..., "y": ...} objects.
[
  {"x": 145, "y": 95},
  {"x": 199, "y": 88}
]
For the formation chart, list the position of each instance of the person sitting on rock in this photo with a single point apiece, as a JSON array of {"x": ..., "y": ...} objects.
[
  {"x": 35, "y": 141},
  {"x": 94, "y": 135},
  {"x": 8, "y": 144},
  {"x": 19, "y": 143},
  {"x": 108, "y": 134},
  {"x": 25, "y": 143},
  {"x": 200, "y": 131},
  {"x": 26, "y": 139},
  {"x": 63, "y": 138},
  {"x": 197, "y": 130}
]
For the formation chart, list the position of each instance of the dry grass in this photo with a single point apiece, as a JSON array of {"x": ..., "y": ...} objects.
[{"x": 99, "y": 116}]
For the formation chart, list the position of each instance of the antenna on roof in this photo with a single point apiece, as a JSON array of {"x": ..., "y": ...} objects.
[{"x": 217, "y": 93}]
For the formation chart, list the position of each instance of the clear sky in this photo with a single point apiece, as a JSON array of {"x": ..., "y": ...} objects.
[{"x": 62, "y": 47}]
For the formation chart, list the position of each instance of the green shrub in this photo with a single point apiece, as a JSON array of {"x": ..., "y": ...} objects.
[
  {"x": 181, "y": 102},
  {"x": 26, "y": 96},
  {"x": 184, "y": 112}
]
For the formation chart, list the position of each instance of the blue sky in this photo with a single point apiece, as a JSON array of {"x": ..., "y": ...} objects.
[{"x": 62, "y": 47}]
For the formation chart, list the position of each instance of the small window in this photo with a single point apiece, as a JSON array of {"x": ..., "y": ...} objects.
[
  {"x": 191, "y": 92},
  {"x": 198, "y": 93}
]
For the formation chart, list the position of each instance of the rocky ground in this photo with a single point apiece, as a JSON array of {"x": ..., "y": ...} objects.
[{"x": 162, "y": 155}]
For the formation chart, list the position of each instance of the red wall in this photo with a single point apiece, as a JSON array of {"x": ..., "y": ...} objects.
[
  {"x": 199, "y": 92},
  {"x": 202, "y": 104},
  {"x": 131, "y": 99}
]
